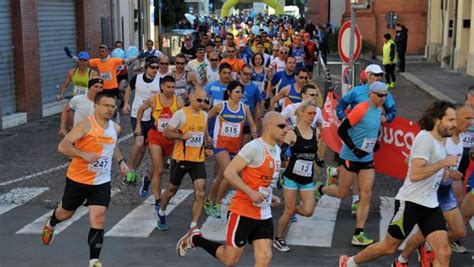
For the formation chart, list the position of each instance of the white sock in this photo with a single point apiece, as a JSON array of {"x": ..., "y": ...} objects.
[
  {"x": 355, "y": 198},
  {"x": 193, "y": 224},
  {"x": 351, "y": 263},
  {"x": 334, "y": 171},
  {"x": 161, "y": 212},
  {"x": 402, "y": 259},
  {"x": 92, "y": 261}
]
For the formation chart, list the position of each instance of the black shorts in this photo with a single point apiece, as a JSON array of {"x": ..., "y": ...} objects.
[
  {"x": 122, "y": 77},
  {"x": 407, "y": 214},
  {"x": 355, "y": 166},
  {"x": 242, "y": 230},
  {"x": 197, "y": 170},
  {"x": 76, "y": 193},
  {"x": 246, "y": 129},
  {"x": 146, "y": 126}
]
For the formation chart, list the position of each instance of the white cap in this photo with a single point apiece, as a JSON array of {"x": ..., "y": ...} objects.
[{"x": 374, "y": 68}]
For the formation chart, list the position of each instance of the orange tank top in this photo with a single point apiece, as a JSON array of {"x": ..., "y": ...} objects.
[
  {"x": 193, "y": 148},
  {"x": 162, "y": 115}
]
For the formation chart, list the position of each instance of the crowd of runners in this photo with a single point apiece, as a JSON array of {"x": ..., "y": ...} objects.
[{"x": 242, "y": 93}]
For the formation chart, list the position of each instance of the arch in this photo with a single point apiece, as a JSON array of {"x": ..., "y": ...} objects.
[{"x": 231, "y": 3}]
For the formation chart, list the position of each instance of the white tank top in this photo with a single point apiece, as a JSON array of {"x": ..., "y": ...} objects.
[{"x": 143, "y": 91}]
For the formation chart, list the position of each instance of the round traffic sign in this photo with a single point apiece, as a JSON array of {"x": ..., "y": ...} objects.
[{"x": 343, "y": 42}]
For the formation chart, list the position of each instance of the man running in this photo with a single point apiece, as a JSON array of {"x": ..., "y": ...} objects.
[
  {"x": 417, "y": 200},
  {"x": 92, "y": 144},
  {"x": 81, "y": 105},
  {"x": 184, "y": 80},
  {"x": 163, "y": 106},
  {"x": 145, "y": 85},
  {"x": 188, "y": 127},
  {"x": 291, "y": 93},
  {"x": 78, "y": 76},
  {"x": 198, "y": 66},
  {"x": 281, "y": 79},
  {"x": 250, "y": 216}
]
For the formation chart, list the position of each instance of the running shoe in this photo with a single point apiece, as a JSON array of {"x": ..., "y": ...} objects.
[
  {"x": 130, "y": 178},
  {"x": 167, "y": 163},
  {"x": 293, "y": 218},
  {"x": 343, "y": 260},
  {"x": 95, "y": 263},
  {"x": 208, "y": 207},
  {"x": 185, "y": 243},
  {"x": 354, "y": 207},
  {"x": 317, "y": 195},
  {"x": 144, "y": 189},
  {"x": 161, "y": 223},
  {"x": 47, "y": 234},
  {"x": 361, "y": 240},
  {"x": 397, "y": 263},
  {"x": 458, "y": 247},
  {"x": 216, "y": 210},
  {"x": 331, "y": 175},
  {"x": 424, "y": 256},
  {"x": 280, "y": 244}
]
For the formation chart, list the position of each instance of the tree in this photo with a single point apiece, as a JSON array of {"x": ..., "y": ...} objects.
[{"x": 172, "y": 11}]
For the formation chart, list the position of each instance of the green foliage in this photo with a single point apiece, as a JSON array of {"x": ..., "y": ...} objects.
[
  {"x": 367, "y": 47},
  {"x": 172, "y": 11}
]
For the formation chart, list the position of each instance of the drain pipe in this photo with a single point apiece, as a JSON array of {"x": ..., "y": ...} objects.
[{"x": 453, "y": 41}]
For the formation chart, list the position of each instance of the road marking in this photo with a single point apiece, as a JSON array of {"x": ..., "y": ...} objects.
[
  {"x": 471, "y": 222},
  {"x": 387, "y": 209},
  {"x": 37, "y": 225},
  {"x": 214, "y": 228},
  {"x": 59, "y": 167},
  {"x": 19, "y": 196},
  {"x": 141, "y": 221},
  {"x": 317, "y": 230}
]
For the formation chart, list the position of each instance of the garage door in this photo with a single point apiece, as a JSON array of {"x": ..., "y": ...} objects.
[{"x": 7, "y": 74}]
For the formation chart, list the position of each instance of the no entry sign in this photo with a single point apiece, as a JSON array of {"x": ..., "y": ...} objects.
[{"x": 343, "y": 42}]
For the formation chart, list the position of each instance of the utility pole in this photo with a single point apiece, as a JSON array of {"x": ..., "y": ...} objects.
[{"x": 354, "y": 7}]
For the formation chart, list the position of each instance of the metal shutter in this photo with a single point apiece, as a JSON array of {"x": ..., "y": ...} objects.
[
  {"x": 7, "y": 70},
  {"x": 57, "y": 29}
]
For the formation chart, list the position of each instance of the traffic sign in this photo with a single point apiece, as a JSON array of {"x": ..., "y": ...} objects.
[
  {"x": 343, "y": 42},
  {"x": 345, "y": 79}
]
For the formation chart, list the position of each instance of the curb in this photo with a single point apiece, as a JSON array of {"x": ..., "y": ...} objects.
[{"x": 427, "y": 88}]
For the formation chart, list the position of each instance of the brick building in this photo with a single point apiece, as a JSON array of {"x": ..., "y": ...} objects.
[{"x": 372, "y": 22}]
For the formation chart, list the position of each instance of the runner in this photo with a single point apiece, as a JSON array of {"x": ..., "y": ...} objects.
[
  {"x": 185, "y": 80},
  {"x": 235, "y": 63},
  {"x": 260, "y": 74},
  {"x": 281, "y": 79},
  {"x": 359, "y": 132},
  {"x": 279, "y": 63},
  {"x": 250, "y": 218},
  {"x": 298, "y": 51},
  {"x": 188, "y": 48},
  {"x": 291, "y": 93},
  {"x": 163, "y": 106},
  {"x": 417, "y": 200},
  {"x": 446, "y": 199},
  {"x": 146, "y": 85},
  {"x": 79, "y": 76},
  {"x": 311, "y": 57},
  {"x": 91, "y": 144},
  {"x": 198, "y": 66},
  {"x": 227, "y": 135},
  {"x": 188, "y": 127},
  {"x": 298, "y": 175},
  {"x": 252, "y": 98},
  {"x": 309, "y": 92},
  {"x": 81, "y": 105},
  {"x": 212, "y": 71}
]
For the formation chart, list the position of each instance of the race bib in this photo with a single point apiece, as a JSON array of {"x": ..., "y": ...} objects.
[
  {"x": 468, "y": 140},
  {"x": 106, "y": 76},
  {"x": 196, "y": 140},
  {"x": 303, "y": 168},
  {"x": 216, "y": 101},
  {"x": 230, "y": 129},
  {"x": 79, "y": 90},
  {"x": 180, "y": 91},
  {"x": 368, "y": 144},
  {"x": 267, "y": 191},
  {"x": 99, "y": 165},
  {"x": 162, "y": 124}
]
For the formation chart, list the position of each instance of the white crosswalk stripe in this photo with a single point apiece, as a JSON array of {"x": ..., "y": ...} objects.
[
  {"x": 19, "y": 196},
  {"x": 37, "y": 225},
  {"x": 141, "y": 221}
]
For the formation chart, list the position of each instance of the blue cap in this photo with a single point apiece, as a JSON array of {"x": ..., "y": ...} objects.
[
  {"x": 378, "y": 87},
  {"x": 83, "y": 55}
]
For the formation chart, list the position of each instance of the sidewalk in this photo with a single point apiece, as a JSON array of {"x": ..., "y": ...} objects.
[{"x": 441, "y": 83}]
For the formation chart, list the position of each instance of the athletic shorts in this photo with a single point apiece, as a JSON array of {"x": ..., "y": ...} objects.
[
  {"x": 447, "y": 200},
  {"x": 157, "y": 138},
  {"x": 146, "y": 126},
  {"x": 197, "y": 170},
  {"x": 122, "y": 77},
  {"x": 113, "y": 91},
  {"x": 76, "y": 193},
  {"x": 242, "y": 230},
  {"x": 246, "y": 129},
  {"x": 292, "y": 185},
  {"x": 470, "y": 184},
  {"x": 408, "y": 214},
  {"x": 217, "y": 150},
  {"x": 356, "y": 166},
  {"x": 310, "y": 67}
]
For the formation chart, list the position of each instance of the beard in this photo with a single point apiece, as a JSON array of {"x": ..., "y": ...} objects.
[{"x": 444, "y": 131}]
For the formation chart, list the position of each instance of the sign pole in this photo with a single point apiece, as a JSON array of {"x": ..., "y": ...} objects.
[{"x": 351, "y": 47}]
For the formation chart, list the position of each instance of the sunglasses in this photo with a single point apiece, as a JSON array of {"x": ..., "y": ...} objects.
[
  {"x": 313, "y": 95},
  {"x": 312, "y": 113},
  {"x": 247, "y": 73},
  {"x": 378, "y": 74},
  {"x": 164, "y": 63},
  {"x": 201, "y": 52},
  {"x": 154, "y": 67},
  {"x": 380, "y": 95},
  {"x": 200, "y": 100},
  {"x": 283, "y": 53},
  {"x": 282, "y": 125},
  {"x": 230, "y": 51},
  {"x": 214, "y": 59},
  {"x": 180, "y": 63},
  {"x": 237, "y": 92},
  {"x": 303, "y": 77},
  {"x": 275, "y": 50}
]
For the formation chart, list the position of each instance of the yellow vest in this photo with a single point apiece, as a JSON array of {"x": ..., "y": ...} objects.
[{"x": 386, "y": 53}]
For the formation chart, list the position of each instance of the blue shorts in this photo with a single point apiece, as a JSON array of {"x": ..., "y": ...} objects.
[
  {"x": 447, "y": 200},
  {"x": 292, "y": 185},
  {"x": 470, "y": 184}
]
